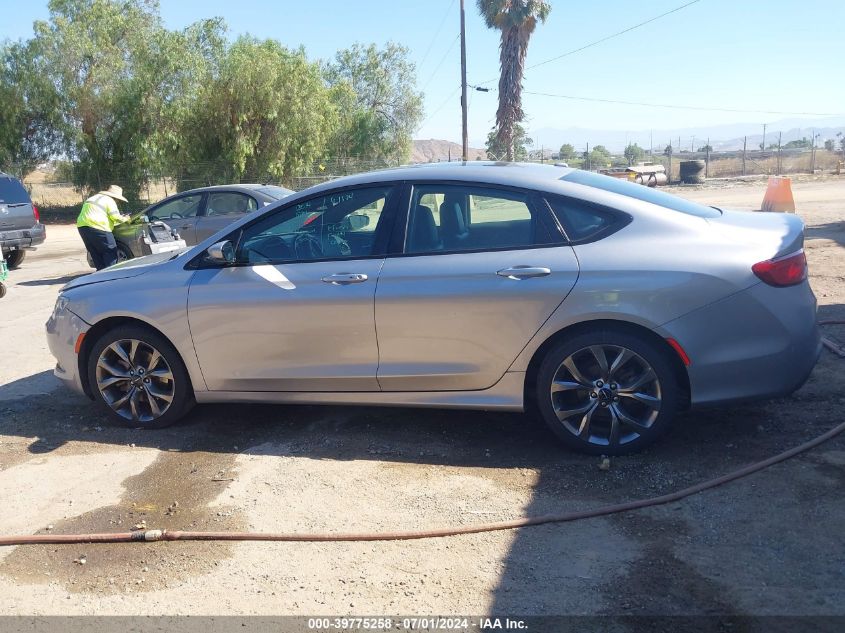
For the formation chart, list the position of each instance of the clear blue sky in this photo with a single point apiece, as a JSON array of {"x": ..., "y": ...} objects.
[{"x": 780, "y": 55}]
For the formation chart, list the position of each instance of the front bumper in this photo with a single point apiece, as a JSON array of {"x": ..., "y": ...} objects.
[
  {"x": 63, "y": 331},
  {"x": 23, "y": 238},
  {"x": 759, "y": 343}
]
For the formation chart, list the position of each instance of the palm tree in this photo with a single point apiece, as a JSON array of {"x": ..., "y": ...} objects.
[{"x": 516, "y": 19}]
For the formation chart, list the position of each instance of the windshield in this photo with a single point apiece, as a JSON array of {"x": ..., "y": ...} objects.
[
  {"x": 274, "y": 192},
  {"x": 640, "y": 192}
]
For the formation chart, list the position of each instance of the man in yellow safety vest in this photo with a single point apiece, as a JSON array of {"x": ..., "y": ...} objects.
[{"x": 95, "y": 223}]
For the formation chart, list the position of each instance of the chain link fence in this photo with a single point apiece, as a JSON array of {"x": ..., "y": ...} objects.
[{"x": 50, "y": 186}]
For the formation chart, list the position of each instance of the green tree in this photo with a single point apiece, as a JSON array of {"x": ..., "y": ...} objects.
[
  {"x": 803, "y": 143},
  {"x": 705, "y": 148},
  {"x": 30, "y": 116},
  {"x": 100, "y": 56},
  {"x": 829, "y": 145},
  {"x": 633, "y": 153},
  {"x": 266, "y": 114},
  {"x": 516, "y": 20},
  {"x": 668, "y": 150},
  {"x": 600, "y": 156},
  {"x": 521, "y": 142},
  {"x": 378, "y": 105},
  {"x": 567, "y": 151}
]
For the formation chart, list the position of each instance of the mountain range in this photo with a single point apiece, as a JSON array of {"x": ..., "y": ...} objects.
[{"x": 722, "y": 137}]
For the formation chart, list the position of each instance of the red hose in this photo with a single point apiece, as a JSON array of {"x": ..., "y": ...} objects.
[{"x": 164, "y": 535}]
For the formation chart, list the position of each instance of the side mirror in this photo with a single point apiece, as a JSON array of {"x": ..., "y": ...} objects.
[
  {"x": 358, "y": 221},
  {"x": 221, "y": 252},
  {"x": 141, "y": 219}
]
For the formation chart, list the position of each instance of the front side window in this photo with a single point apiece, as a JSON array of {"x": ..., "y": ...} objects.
[
  {"x": 449, "y": 218},
  {"x": 184, "y": 207},
  {"x": 336, "y": 225},
  {"x": 226, "y": 202}
]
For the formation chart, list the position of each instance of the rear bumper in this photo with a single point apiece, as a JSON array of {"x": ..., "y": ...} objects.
[
  {"x": 23, "y": 238},
  {"x": 759, "y": 343}
]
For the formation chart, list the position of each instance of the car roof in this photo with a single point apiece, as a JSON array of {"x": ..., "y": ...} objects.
[
  {"x": 242, "y": 187},
  {"x": 513, "y": 174}
]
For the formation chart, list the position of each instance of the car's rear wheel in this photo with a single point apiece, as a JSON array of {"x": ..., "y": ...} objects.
[
  {"x": 14, "y": 258},
  {"x": 140, "y": 378},
  {"x": 607, "y": 392}
]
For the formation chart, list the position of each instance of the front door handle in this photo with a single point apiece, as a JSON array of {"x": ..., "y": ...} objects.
[
  {"x": 524, "y": 272},
  {"x": 344, "y": 279}
]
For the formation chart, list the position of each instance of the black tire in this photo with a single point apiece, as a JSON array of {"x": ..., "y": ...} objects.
[
  {"x": 2, "y": 290},
  {"x": 124, "y": 252},
  {"x": 180, "y": 388},
  {"x": 656, "y": 418},
  {"x": 14, "y": 258}
]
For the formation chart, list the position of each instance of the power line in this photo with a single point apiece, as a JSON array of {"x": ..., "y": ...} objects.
[
  {"x": 436, "y": 33},
  {"x": 677, "y": 106},
  {"x": 440, "y": 107},
  {"x": 448, "y": 50},
  {"x": 604, "y": 39}
]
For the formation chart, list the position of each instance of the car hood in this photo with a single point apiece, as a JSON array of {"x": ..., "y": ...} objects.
[{"x": 124, "y": 270}]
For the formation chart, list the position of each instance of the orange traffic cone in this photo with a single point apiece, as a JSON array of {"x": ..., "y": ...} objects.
[{"x": 778, "y": 196}]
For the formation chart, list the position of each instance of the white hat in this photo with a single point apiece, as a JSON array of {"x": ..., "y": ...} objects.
[{"x": 115, "y": 192}]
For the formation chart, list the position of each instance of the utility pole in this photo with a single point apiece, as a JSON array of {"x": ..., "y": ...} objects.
[
  {"x": 669, "y": 177},
  {"x": 707, "y": 159},
  {"x": 780, "y": 136},
  {"x": 692, "y": 144},
  {"x": 464, "y": 133},
  {"x": 764, "y": 137},
  {"x": 651, "y": 144},
  {"x": 744, "y": 144},
  {"x": 813, "y": 153}
]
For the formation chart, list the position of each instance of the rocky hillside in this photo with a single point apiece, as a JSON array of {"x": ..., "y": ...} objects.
[{"x": 433, "y": 150}]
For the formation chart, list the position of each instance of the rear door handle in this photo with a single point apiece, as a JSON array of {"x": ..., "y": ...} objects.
[
  {"x": 524, "y": 272},
  {"x": 344, "y": 279}
]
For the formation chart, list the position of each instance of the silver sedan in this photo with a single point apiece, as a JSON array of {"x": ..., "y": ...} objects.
[{"x": 602, "y": 306}]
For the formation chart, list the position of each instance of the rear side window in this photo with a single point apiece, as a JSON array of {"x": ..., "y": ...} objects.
[
  {"x": 12, "y": 192},
  {"x": 228, "y": 202},
  {"x": 639, "y": 192},
  {"x": 454, "y": 218},
  {"x": 586, "y": 222}
]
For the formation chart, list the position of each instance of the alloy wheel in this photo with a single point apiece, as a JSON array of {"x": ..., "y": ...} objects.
[
  {"x": 135, "y": 380},
  {"x": 606, "y": 395}
]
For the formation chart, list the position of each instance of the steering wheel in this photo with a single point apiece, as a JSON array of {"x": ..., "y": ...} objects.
[
  {"x": 339, "y": 245},
  {"x": 307, "y": 246}
]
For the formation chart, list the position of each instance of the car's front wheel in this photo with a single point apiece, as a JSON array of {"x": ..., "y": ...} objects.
[
  {"x": 607, "y": 392},
  {"x": 140, "y": 378}
]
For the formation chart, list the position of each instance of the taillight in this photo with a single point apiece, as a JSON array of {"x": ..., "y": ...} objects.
[
  {"x": 37, "y": 215},
  {"x": 782, "y": 271}
]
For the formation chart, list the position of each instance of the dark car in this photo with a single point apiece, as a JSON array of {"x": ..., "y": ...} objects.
[
  {"x": 20, "y": 224},
  {"x": 194, "y": 215}
]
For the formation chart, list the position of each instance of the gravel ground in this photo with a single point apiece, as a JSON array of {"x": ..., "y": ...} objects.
[{"x": 769, "y": 544}]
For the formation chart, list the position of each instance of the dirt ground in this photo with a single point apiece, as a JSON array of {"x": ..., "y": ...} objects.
[{"x": 770, "y": 544}]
